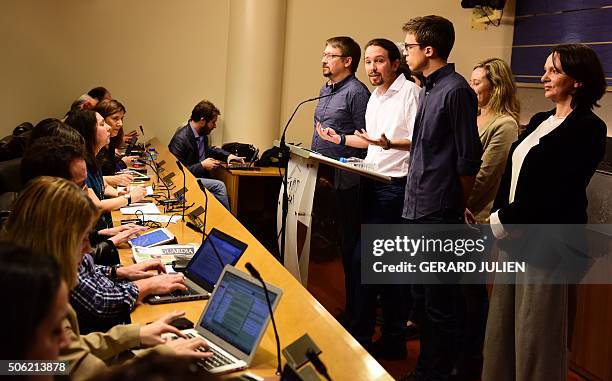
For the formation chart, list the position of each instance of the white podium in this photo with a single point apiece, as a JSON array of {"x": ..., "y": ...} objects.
[{"x": 302, "y": 180}]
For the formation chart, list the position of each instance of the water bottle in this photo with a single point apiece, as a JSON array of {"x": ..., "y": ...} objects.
[
  {"x": 152, "y": 154},
  {"x": 359, "y": 163}
]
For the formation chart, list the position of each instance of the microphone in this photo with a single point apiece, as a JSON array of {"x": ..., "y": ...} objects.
[
  {"x": 180, "y": 166},
  {"x": 144, "y": 142},
  {"x": 205, "y": 205},
  {"x": 255, "y": 274},
  {"x": 285, "y": 159}
]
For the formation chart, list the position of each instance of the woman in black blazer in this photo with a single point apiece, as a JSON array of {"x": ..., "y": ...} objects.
[{"x": 545, "y": 181}]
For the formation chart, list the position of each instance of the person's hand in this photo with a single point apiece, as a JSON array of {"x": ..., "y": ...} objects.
[
  {"x": 210, "y": 163},
  {"x": 189, "y": 348},
  {"x": 381, "y": 142},
  {"x": 469, "y": 217},
  {"x": 232, "y": 157},
  {"x": 328, "y": 134},
  {"x": 129, "y": 160},
  {"x": 118, "y": 229},
  {"x": 126, "y": 235},
  {"x": 159, "y": 285},
  {"x": 150, "y": 334},
  {"x": 141, "y": 270},
  {"x": 138, "y": 193},
  {"x": 122, "y": 180}
]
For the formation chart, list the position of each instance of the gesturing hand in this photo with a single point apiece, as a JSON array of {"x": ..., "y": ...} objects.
[{"x": 327, "y": 133}]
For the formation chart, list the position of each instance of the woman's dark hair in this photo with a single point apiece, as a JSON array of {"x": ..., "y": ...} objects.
[
  {"x": 98, "y": 92},
  {"x": 394, "y": 55},
  {"x": 84, "y": 121},
  {"x": 55, "y": 127},
  {"x": 107, "y": 108},
  {"x": 30, "y": 282},
  {"x": 582, "y": 64}
]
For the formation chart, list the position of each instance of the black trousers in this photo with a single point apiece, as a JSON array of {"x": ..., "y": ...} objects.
[
  {"x": 440, "y": 315},
  {"x": 380, "y": 204}
]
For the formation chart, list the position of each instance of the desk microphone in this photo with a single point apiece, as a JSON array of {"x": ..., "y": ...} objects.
[
  {"x": 255, "y": 274},
  {"x": 180, "y": 166},
  {"x": 205, "y": 205}
]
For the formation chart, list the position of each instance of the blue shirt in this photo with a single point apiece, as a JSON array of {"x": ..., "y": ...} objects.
[
  {"x": 344, "y": 112},
  {"x": 95, "y": 181},
  {"x": 445, "y": 145}
]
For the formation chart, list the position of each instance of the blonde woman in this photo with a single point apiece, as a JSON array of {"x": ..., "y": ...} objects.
[
  {"x": 498, "y": 120},
  {"x": 498, "y": 116},
  {"x": 53, "y": 216}
]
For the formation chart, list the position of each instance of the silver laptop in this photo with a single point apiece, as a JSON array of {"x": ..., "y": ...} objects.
[{"x": 234, "y": 320}]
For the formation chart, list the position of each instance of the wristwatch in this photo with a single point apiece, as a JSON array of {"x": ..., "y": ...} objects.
[
  {"x": 128, "y": 197},
  {"x": 387, "y": 143},
  {"x": 113, "y": 272}
]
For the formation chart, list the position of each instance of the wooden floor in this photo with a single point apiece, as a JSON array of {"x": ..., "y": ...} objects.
[{"x": 326, "y": 283}]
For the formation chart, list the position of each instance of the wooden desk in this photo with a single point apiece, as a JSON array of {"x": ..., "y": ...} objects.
[
  {"x": 231, "y": 178},
  {"x": 298, "y": 311}
]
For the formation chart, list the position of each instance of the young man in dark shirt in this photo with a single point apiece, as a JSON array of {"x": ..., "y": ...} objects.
[{"x": 444, "y": 160}]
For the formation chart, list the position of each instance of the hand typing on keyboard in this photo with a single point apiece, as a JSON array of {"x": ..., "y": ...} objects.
[
  {"x": 194, "y": 347},
  {"x": 151, "y": 334}
]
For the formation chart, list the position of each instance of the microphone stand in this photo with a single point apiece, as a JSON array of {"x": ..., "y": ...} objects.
[
  {"x": 255, "y": 274},
  {"x": 180, "y": 166},
  {"x": 203, "y": 188},
  {"x": 284, "y": 157}
]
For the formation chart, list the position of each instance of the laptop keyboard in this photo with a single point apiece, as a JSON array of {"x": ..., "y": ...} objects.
[
  {"x": 215, "y": 361},
  {"x": 186, "y": 292},
  {"x": 239, "y": 166}
]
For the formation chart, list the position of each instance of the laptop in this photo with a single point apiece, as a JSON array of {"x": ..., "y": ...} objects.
[
  {"x": 245, "y": 166},
  {"x": 234, "y": 320},
  {"x": 205, "y": 267}
]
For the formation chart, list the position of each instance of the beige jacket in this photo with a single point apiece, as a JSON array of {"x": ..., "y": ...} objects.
[
  {"x": 89, "y": 354},
  {"x": 496, "y": 136}
]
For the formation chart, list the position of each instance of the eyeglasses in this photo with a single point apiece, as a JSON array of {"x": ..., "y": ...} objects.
[
  {"x": 404, "y": 46},
  {"x": 329, "y": 56}
]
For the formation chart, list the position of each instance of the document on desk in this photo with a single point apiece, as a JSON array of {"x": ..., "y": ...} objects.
[
  {"x": 161, "y": 218},
  {"x": 165, "y": 253},
  {"x": 144, "y": 208}
]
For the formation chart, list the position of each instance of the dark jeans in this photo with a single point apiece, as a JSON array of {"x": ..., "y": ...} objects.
[
  {"x": 440, "y": 317},
  {"x": 381, "y": 204}
]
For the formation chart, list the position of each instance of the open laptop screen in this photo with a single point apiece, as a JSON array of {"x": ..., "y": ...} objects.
[
  {"x": 238, "y": 312},
  {"x": 205, "y": 265}
]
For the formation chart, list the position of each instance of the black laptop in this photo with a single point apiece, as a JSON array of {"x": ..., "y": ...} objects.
[
  {"x": 249, "y": 165},
  {"x": 205, "y": 267}
]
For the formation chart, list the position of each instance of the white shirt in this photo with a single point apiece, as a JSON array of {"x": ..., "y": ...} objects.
[
  {"x": 393, "y": 113},
  {"x": 518, "y": 157}
]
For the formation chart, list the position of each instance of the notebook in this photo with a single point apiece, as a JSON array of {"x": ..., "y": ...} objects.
[
  {"x": 205, "y": 267},
  {"x": 234, "y": 320}
]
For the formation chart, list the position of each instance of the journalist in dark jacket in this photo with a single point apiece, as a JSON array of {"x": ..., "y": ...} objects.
[
  {"x": 190, "y": 146},
  {"x": 547, "y": 173}
]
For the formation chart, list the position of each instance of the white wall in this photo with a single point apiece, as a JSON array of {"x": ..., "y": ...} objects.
[{"x": 159, "y": 58}]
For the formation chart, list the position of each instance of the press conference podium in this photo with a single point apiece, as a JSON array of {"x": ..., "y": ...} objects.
[{"x": 301, "y": 182}]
